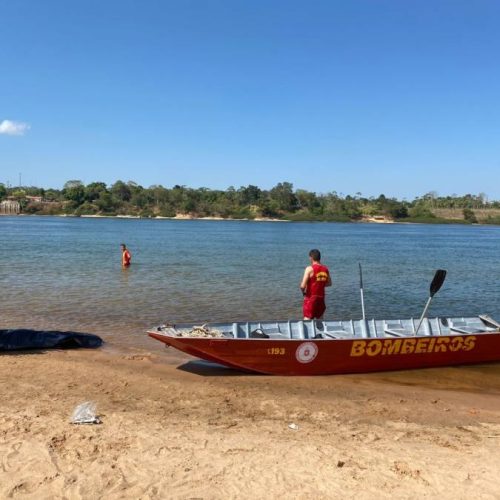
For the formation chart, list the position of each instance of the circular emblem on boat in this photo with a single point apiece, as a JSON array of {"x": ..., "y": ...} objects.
[{"x": 306, "y": 352}]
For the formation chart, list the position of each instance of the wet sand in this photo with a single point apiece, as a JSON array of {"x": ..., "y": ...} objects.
[{"x": 172, "y": 428}]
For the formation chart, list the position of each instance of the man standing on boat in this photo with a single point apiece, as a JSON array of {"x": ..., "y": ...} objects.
[
  {"x": 316, "y": 278},
  {"x": 126, "y": 257}
]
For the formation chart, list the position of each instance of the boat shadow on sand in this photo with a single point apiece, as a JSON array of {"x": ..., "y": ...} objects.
[
  {"x": 210, "y": 369},
  {"x": 478, "y": 378}
]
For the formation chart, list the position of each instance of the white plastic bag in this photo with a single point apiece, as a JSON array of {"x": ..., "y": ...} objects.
[{"x": 85, "y": 413}]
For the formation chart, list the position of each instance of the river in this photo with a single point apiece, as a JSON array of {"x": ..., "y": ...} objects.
[{"x": 65, "y": 273}]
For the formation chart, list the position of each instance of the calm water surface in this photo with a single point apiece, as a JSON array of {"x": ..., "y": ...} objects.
[{"x": 64, "y": 273}]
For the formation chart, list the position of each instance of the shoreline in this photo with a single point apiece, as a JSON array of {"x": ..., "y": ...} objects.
[
  {"x": 157, "y": 217},
  {"x": 447, "y": 222},
  {"x": 195, "y": 432}
]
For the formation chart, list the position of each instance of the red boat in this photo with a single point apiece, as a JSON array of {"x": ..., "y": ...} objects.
[{"x": 318, "y": 347}]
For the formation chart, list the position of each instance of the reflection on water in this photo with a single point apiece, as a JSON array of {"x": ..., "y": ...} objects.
[{"x": 66, "y": 273}]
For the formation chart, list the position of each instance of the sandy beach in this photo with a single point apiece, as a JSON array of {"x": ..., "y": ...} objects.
[{"x": 172, "y": 428}]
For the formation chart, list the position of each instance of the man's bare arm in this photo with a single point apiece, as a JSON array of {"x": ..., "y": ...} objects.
[
  {"x": 329, "y": 280},
  {"x": 305, "y": 279}
]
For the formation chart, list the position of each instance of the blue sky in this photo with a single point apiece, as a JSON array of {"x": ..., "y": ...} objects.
[{"x": 400, "y": 97}]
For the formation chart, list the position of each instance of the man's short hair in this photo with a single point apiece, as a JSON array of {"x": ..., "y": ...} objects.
[{"x": 315, "y": 254}]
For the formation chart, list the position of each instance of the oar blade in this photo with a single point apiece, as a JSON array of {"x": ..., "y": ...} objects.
[{"x": 437, "y": 282}]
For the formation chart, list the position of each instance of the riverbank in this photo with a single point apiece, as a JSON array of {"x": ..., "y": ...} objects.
[
  {"x": 197, "y": 432},
  {"x": 159, "y": 217},
  {"x": 369, "y": 220}
]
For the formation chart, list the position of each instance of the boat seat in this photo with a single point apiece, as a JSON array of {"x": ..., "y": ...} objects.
[
  {"x": 337, "y": 333},
  {"x": 278, "y": 336},
  {"x": 399, "y": 332},
  {"x": 394, "y": 326},
  {"x": 466, "y": 330},
  {"x": 270, "y": 331},
  {"x": 322, "y": 335}
]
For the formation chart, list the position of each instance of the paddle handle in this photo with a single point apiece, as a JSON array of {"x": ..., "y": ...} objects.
[
  {"x": 423, "y": 314},
  {"x": 361, "y": 292}
]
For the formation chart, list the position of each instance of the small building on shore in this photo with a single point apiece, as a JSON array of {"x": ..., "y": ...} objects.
[
  {"x": 10, "y": 207},
  {"x": 34, "y": 199}
]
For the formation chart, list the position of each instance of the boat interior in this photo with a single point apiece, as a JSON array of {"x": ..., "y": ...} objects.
[{"x": 332, "y": 330}]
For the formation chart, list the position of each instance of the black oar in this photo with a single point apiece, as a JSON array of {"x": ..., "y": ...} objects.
[{"x": 436, "y": 284}]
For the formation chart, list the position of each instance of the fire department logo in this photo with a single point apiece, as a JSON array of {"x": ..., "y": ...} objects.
[{"x": 306, "y": 352}]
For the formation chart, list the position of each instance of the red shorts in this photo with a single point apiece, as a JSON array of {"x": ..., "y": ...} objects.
[{"x": 314, "y": 307}]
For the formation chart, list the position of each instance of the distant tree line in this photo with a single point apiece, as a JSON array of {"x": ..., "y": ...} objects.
[{"x": 247, "y": 202}]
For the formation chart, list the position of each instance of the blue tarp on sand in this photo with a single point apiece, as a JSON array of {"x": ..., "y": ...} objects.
[{"x": 13, "y": 340}]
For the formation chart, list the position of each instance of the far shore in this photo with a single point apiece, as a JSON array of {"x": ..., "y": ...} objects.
[
  {"x": 368, "y": 220},
  {"x": 159, "y": 217}
]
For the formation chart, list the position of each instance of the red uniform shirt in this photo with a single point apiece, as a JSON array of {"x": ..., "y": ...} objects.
[
  {"x": 317, "y": 282},
  {"x": 126, "y": 258}
]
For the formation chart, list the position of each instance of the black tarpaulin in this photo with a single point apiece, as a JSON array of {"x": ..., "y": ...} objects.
[{"x": 12, "y": 340}]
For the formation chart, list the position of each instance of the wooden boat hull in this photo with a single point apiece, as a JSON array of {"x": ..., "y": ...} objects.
[{"x": 326, "y": 357}]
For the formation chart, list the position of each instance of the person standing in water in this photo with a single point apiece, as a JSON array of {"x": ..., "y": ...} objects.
[
  {"x": 316, "y": 278},
  {"x": 126, "y": 256}
]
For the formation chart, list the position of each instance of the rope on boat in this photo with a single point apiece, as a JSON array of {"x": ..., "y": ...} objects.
[{"x": 200, "y": 331}]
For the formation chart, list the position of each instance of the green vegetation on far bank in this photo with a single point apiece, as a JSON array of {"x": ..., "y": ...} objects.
[{"x": 247, "y": 202}]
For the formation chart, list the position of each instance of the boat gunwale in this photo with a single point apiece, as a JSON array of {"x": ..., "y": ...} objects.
[{"x": 365, "y": 339}]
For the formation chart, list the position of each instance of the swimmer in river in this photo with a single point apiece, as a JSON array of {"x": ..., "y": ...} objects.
[{"x": 126, "y": 256}]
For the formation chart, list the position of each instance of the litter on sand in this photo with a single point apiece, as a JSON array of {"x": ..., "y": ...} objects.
[
  {"x": 294, "y": 427},
  {"x": 85, "y": 413}
]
